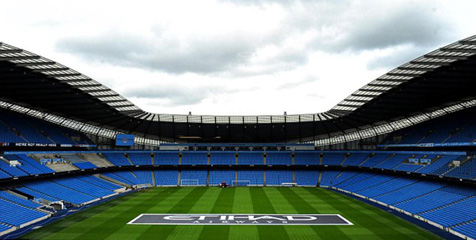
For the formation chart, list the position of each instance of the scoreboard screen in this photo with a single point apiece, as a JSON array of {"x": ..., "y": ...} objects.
[{"x": 125, "y": 140}]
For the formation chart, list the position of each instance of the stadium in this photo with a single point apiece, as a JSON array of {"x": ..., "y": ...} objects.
[{"x": 394, "y": 160}]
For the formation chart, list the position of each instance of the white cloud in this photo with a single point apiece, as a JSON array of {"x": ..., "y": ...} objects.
[{"x": 234, "y": 57}]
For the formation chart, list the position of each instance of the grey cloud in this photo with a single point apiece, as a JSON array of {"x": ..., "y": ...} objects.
[
  {"x": 284, "y": 60},
  {"x": 120, "y": 48},
  {"x": 407, "y": 26},
  {"x": 162, "y": 53},
  {"x": 337, "y": 27},
  {"x": 317, "y": 95},
  {"x": 263, "y": 2},
  {"x": 174, "y": 95},
  {"x": 397, "y": 59},
  {"x": 290, "y": 57},
  {"x": 357, "y": 26},
  {"x": 169, "y": 95},
  {"x": 294, "y": 84},
  {"x": 169, "y": 55}
]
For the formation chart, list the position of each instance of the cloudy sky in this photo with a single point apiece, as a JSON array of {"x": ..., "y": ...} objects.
[{"x": 229, "y": 57}]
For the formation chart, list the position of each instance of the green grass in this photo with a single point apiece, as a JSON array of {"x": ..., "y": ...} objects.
[{"x": 108, "y": 220}]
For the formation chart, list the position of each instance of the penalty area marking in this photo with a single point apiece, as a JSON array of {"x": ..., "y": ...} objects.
[{"x": 239, "y": 219}]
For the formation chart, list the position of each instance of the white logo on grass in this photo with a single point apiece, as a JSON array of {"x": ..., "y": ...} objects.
[{"x": 240, "y": 219}]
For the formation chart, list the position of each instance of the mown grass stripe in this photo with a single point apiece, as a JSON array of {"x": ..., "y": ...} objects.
[
  {"x": 261, "y": 204},
  {"x": 322, "y": 203},
  {"x": 301, "y": 206},
  {"x": 352, "y": 213},
  {"x": 370, "y": 222},
  {"x": 223, "y": 204},
  {"x": 77, "y": 218},
  {"x": 124, "y": 214},
  {"x": 242, "y": 203},
  {"x": 382, "y": 224},
  {"x": 185, "y": 204},
  {"x": 402, "y": 226},
  {"x": 203, "y": 205},
  {"x": 282, "y": 206},
  {"x": 78, "y": 225},
  {"x": 375, "y": 214}
]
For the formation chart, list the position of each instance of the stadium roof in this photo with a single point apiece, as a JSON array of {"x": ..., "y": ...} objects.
[{"x": 431, "y": 85}]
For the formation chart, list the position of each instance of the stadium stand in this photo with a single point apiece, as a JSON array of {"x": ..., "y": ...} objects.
[
  {"x": 39, "y": 196},
  {"x": 454, "y": 128},
  {"x": 306, "y": 177},
  {"x": 12, "y": 170},
  {"x": 60, "y": 192},
  {"x": 399, "y": 193},
  {"x": 194, "y": 158},
  {"x": 166, "y": 158},
  {"x": 84, "y": 165},
  {"x": 4, "y": 227},
  {"x": 17, "y": 128},
  {"x": 332, "y": 158},
  {"x": 193, "y": 178},
  {"x": 439, "y": 164},
  {"x": 4, "y": 174},
  {"x": 83, "y": 187},
  {"x": 251, "y": 158},
  {"x": 117, "y": 159},
  {"x": 24, "y": 129},
  {"x": 364, "y": 181},
  {"x": 17, "y": 215},
  {"x": 441, "y": 197},
  {"x": 355, "y": 159},
  {"x": 77, "y": 190},
  {"x": 140, "y": 158},
  {"x": 17, "y": 200},
  {"x": 375, "y": 160},
  {"x": 28, "y": 164},
  {"x": 444, "y": 204},
  {"x": 453, "y": 213},
  {"x": 393, "y": 161},
  {"x": 278, "y": 177},
  {"x": 218, "y": 158},
  {"x": 466, "y": 170},
  {"x": 8, "y": 135},
  {"x": 278, "y": 158},
  {"x": 249, "y": 178},
  {"x": 143, "y": 177},
  {"x": 303, "y": 158},
  {"x": 97, "y": 159},
  {"x": 166, "y": 177},
  {"x": 99, "y": 182},
  {"x": 408, "y": 167},
  {"x": 392, "y": 184},
  {"x": 441, "y": 203},
  {"x": 218, "y": 176},
  {"x": 329, "y": 178},
  {"x": 428, "y": 166},
  {"x": 468, "y": 229},
  {"x": 132, "y": 177}
]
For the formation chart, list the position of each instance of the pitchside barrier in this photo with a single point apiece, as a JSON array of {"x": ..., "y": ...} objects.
[
  {"x": 290, "y": 184},
  {"x": 145, "y": 185}
]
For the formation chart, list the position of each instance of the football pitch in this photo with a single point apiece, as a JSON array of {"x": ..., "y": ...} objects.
[{"x": 109, "y": 220}]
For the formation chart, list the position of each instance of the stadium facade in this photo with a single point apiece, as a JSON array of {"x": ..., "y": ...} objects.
[
  {"x": 404, "y": 140},
  {"x": 424, "y": 88}
]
